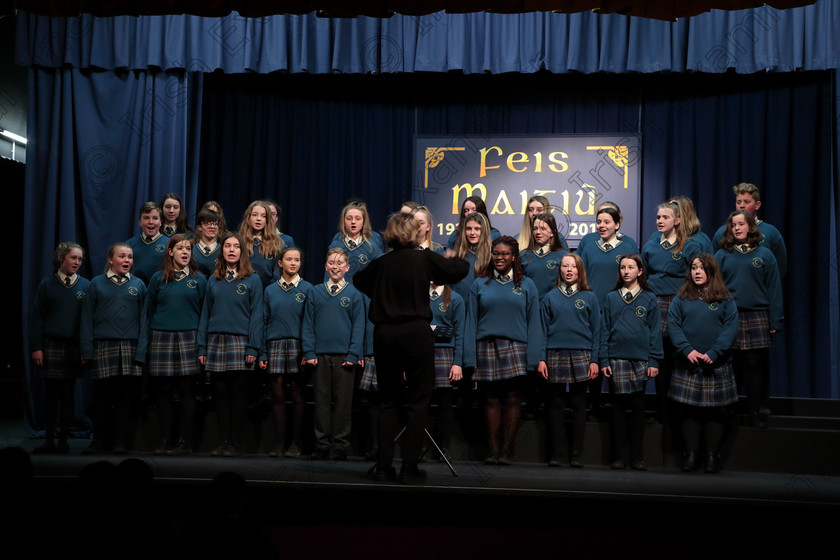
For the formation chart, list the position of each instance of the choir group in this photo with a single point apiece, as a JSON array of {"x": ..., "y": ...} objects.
[{"x": 531, "y": 318}]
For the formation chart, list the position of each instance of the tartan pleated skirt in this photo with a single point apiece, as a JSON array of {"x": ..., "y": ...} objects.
[
  {"x": 173, "y": 354},
  {"x": 664, "y": 305},
  {"x": 226, "y": 352},
  {"x": 628, "y": 376},
  {"x": 444, "y": 358},
  {"x": 284, "y": 356},
  {"x": 567, "y": 366},
  {"x": 753, "y": 330},
  {"x": 62, "y": 359},
  {"x": 114, "y": 358},
  {"x": 500, "y": 358},
  {"x": 368, "y": 380},
  {"x": 705, "y": 387}
]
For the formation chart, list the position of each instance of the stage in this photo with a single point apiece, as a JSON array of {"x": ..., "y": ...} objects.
[{"x": 314, "y": 509}]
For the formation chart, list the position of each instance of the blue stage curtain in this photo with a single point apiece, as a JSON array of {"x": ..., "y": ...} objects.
[
  {"x": 290, "y": 138},
  {"x": 749, "y": 41},
  {"x": 100, "y": 145}
]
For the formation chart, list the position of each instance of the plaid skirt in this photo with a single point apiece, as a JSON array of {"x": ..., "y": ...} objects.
[
  {"x": 226, "y": 352},
  {"x": 173, "y": 354},
  {"x": 753, "y": 330},
  {"x": 62, "y": 359},
  {"x": 704, "y": 387},
  {"x": 500, "y": 358},
  {"x": 664, "y": 305},
  {"x": 284, "y": 355},
  {"x": 368, "y": 380},
  {"x": 444, "y": 358},
  {"x": 114, "y": 358},
  {"x": 567, "y": 366},
  {"x": 628, "y": 376}
]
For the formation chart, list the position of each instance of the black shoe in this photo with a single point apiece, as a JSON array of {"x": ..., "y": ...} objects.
[
  {"x": 62, "y": 447},
  {"x": 575, "y": 461},
  {"x": 220, "y": 449},
  {"x": 712, "y": 463},
  {"x": 689, "y": 463},
  {"x": 410, "y": 474},
  {"x": 163, "y": 448},
  {"x": 276, "y": 452},
  {"x": 371, "y": 455},
  {"x": 232, "y": 450},
  {"x": 638, "y": 465},
  {"x": 386, "y": 474},
  {"x": 292, "y": 451},
  {"x": 320, "y": 454},
  {"x": 93, "y": 449},
  {"x": 504, "y": 458},
  {"x": 181, "y": 448},
  {"x": 554, "y": 462},
  {"x": 492, "y": 459},
  {"x": 618, "y": 464},
  {"x": 337, "y": 454}
]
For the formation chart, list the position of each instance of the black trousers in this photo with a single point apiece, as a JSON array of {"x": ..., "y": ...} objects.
[{"x": 405, "y": 348}]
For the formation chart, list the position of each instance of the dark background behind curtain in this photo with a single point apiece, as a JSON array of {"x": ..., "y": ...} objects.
[{"x": 311, "y": 142}]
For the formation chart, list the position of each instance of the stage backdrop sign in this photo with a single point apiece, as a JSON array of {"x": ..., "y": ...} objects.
[{"x": 576, "y": 172}]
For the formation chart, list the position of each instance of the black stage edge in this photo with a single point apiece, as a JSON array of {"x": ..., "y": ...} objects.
[{"x": 319, "y": 509}]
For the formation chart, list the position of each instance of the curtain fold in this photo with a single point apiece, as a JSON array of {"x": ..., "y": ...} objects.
[{"x": 755, "y": 40}]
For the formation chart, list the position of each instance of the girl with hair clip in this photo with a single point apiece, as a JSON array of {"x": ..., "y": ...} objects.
[
  {"x": 230, "y": 335},
  {"x": 284, "y": 302},
  {"x": 206, "y": 247},
  {"x": 54, "y": 341},
  {"x": 173, "y": 309},
  {"x": 111, "y": 324},
  {"x": 600, "y": 258},
  {"x": 174, "y": 216},
  {"x": 427, "y": 225},
  {"x": 702, "y": 323},
  {"x": 260, "y": 240},
  {"x": 667, "y": 257},
  {"x": 274, "y": 209},
  {"x": 214, "y": 206},
  {"x": 471, "y": 205},
  {"x": 631, "y": 348},
  {"x": 541, "y": 260},
  {"x": 503, "y": 340},
  {"x": 448, "y": 321},
  {"x": 751, "y": 273},
  {"x": 572, "y": 319},
  {"x": 474, "y": 246},
  {"x": 357, "y": 238},
  {"x": 536, "y": 205}
]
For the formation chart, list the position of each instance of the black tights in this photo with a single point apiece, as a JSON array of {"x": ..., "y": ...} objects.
[
  {"x": 230, "y": 390},
  {"x": 165, "y": 389},
  {"x": 702, "y": 421},
  {"x": 502, "y": 413},
  {"x": 116, "y": 406},
  {"x": 58, "y": 405},
  {"x": 635, "y": 402},
  {"x": 752, "y": 370},
  {"x": 278, "y": 409},
  {"x": 557, "y": 402}
]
